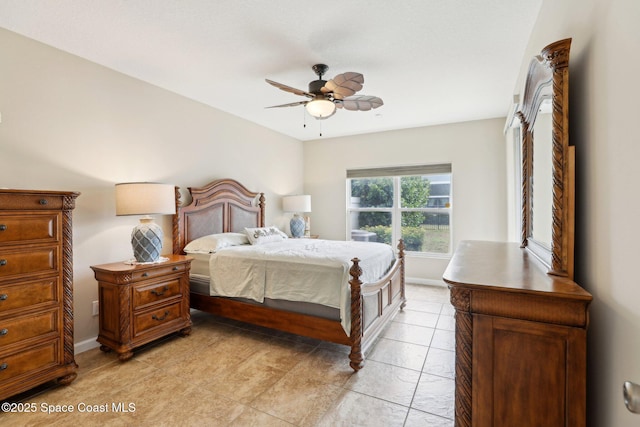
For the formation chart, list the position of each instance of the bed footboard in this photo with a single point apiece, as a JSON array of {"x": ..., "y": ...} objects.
[{"x": 373, "y": 305}]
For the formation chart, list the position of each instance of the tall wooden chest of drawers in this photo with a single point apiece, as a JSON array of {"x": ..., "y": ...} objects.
[{"x": 36, "y": 289}]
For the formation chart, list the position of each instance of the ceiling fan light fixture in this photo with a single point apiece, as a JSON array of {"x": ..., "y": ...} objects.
[{"x": 321, "y": 108}]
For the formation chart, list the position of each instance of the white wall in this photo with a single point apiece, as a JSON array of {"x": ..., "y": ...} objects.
[
  {"x": 475, "y": 149},
  {"x": 69, "y": 124},
  {"x": 604, "y": 68}
]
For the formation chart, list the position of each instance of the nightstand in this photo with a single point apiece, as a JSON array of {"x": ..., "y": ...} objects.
[{"x": 141, "y": 303}]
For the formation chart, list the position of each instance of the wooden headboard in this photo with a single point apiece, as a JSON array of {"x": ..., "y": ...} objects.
[{"x": 221, "y": 206}]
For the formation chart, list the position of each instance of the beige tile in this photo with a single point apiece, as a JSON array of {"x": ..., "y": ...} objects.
[
  {"x": 355, "y": 409},
  {"x": 92, "y": 359},
  {"x": 112, "y": 376},
  {"x": 325, "y": 366},
  {"x": 409, "y": 333},
  {"x": 386, "y": 382},
  {"x": 428, "y": 293},
  {"x": 281, "y": 354},
  {"x": 254, "y": 418},
  {"x": 298, "y": 400},
  {"x": 418, "y": 318},
  {"x": 425, "y": 306},
  {"x": 447, "y": 323},
  {"x": 444, "y": 340},
  {"x": 448, "y": 310},
  {"x": 405, "y": 355},
  {"x": 422, "y": 419},
  {"x": 435, "y": 395},
  {"x": 195, "y": 407},
  {"x": 440, "y": 362},
  {"x": 246, "y": 382}
]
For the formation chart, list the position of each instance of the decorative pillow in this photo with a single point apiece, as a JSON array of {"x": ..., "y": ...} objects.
[
  {"x": 211, "y": 243},
  {"x": 260, "y": 235}
]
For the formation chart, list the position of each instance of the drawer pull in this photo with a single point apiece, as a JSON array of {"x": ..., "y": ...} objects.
[
  {"x": 145, "y": 274},
  {"x": 175, "y": 268},
  {"x": 3, "y": 297},
  {"x": 3, "y": 227},
  {"x": 154, "y": 317},
  {"x": 3, "y": 262},
  {"x": 160, "y": 293},
  {"x": 3, "y": 366},
  {"x": 43, "y": 201},
  {"x": 4, "y": 332}
]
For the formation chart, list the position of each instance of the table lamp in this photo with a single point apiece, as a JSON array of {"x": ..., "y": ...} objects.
[
  {"x": 297, "y": 205},
  {"x": 146, "y": 198}
]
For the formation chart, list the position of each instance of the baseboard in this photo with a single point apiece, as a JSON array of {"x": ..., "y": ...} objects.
[
  {"x": 421, "y": 281},
  {"x": 85, "y": 345}
]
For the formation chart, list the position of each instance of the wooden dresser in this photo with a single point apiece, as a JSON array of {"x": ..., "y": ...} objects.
[
  {"x": 36, "y": 289},
  {"x": 520, "y": 339},
  {"x": 141, "y": 303}
]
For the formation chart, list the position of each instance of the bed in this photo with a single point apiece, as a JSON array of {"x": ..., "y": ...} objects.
[{"x": 226, "y": 206}]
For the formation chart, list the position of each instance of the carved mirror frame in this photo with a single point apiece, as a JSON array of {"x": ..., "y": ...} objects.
[{"x": 548, "y": 77}]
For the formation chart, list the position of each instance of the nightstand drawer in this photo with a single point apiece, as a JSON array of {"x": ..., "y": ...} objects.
[
  {"x": 40, "y": 228},
  {"x": 150, "y": 319},
  {"x": 31, "y": 261},
  {"x": 143, "y": 295},
  {"x": 30, "y": 360},
  {"x": 23, "y": 328},
  {"x": 23, "y": 295},
  {"x": 157, "y": 271}
]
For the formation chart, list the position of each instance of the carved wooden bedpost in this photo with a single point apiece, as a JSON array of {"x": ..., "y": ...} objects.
[
  {"x": 401, "y": 257},
  {"x": 356, "y": 356},
  {"x": 261, "y": 204},
  {"x": 177, "y": 249}
]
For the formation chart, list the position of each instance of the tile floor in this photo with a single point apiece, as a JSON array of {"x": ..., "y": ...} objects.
[{"x": 231, "y": 374}]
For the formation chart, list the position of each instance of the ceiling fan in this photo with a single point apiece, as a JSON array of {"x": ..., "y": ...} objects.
[{"x": 325, "y": 96}]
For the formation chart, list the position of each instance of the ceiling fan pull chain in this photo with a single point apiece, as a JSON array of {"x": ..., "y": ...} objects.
[{"x": 320, "y": 127}]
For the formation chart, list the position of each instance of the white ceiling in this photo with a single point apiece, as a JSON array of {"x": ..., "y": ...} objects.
[{"x": 431, "y": 61}]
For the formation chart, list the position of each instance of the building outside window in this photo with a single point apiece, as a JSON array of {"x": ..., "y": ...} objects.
[{"x": 410, "y": 202}]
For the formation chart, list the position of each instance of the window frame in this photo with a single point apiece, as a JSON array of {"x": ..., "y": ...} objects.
[{"x": 397, "y": 210}]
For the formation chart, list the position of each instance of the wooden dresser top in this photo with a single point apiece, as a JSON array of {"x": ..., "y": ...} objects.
[{"x": 506, "y": 267}]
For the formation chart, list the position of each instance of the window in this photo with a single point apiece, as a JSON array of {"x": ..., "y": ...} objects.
[{"x": 412, "y": 203}]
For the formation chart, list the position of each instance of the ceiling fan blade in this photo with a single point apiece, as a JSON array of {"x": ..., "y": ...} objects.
[
  {"x": 360, "y": 103},
  {"x": 291, "y": 104},
  {"x": 289, "y": 88},
  {"x": 344, "y": 85}
]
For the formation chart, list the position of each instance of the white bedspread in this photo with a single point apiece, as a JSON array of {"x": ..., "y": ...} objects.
[{"x": 309, "y": 270}]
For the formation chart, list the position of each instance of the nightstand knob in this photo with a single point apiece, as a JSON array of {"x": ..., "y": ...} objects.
[
  {"x": 160, "y": 293},
  {"x": 3, "y": 227},
  {"x": 3, "y": 262},
  {"x": 175, "y": 268},
  {"x": 145, "y": 274},
  {"x": 3, "y": 297},
  {"x": 43, "y": 201},
  {"x": 4, "y": 332},
  {"x": 3, "y": 366},
  {"x": 154, "y": 317}
]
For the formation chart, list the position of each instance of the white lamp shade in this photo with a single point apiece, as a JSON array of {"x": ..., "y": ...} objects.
[
  {"x": 300, "y": 203},
  {"x": 145, "y": 198},
  {"x": 321, "y": 108}
]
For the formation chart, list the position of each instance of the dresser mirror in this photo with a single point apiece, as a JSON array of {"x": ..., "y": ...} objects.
[{"x": 548, "y": 161}]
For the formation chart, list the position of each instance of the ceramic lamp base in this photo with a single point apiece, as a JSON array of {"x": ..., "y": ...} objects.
[
  {"x": 146, "y": 240},
  {"x": 297, "y": 226}
]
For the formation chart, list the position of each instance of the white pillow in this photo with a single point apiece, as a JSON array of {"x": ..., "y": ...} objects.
[
  {"x": 260, "y": 235},
  {"x": 211, "y": 243}
]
